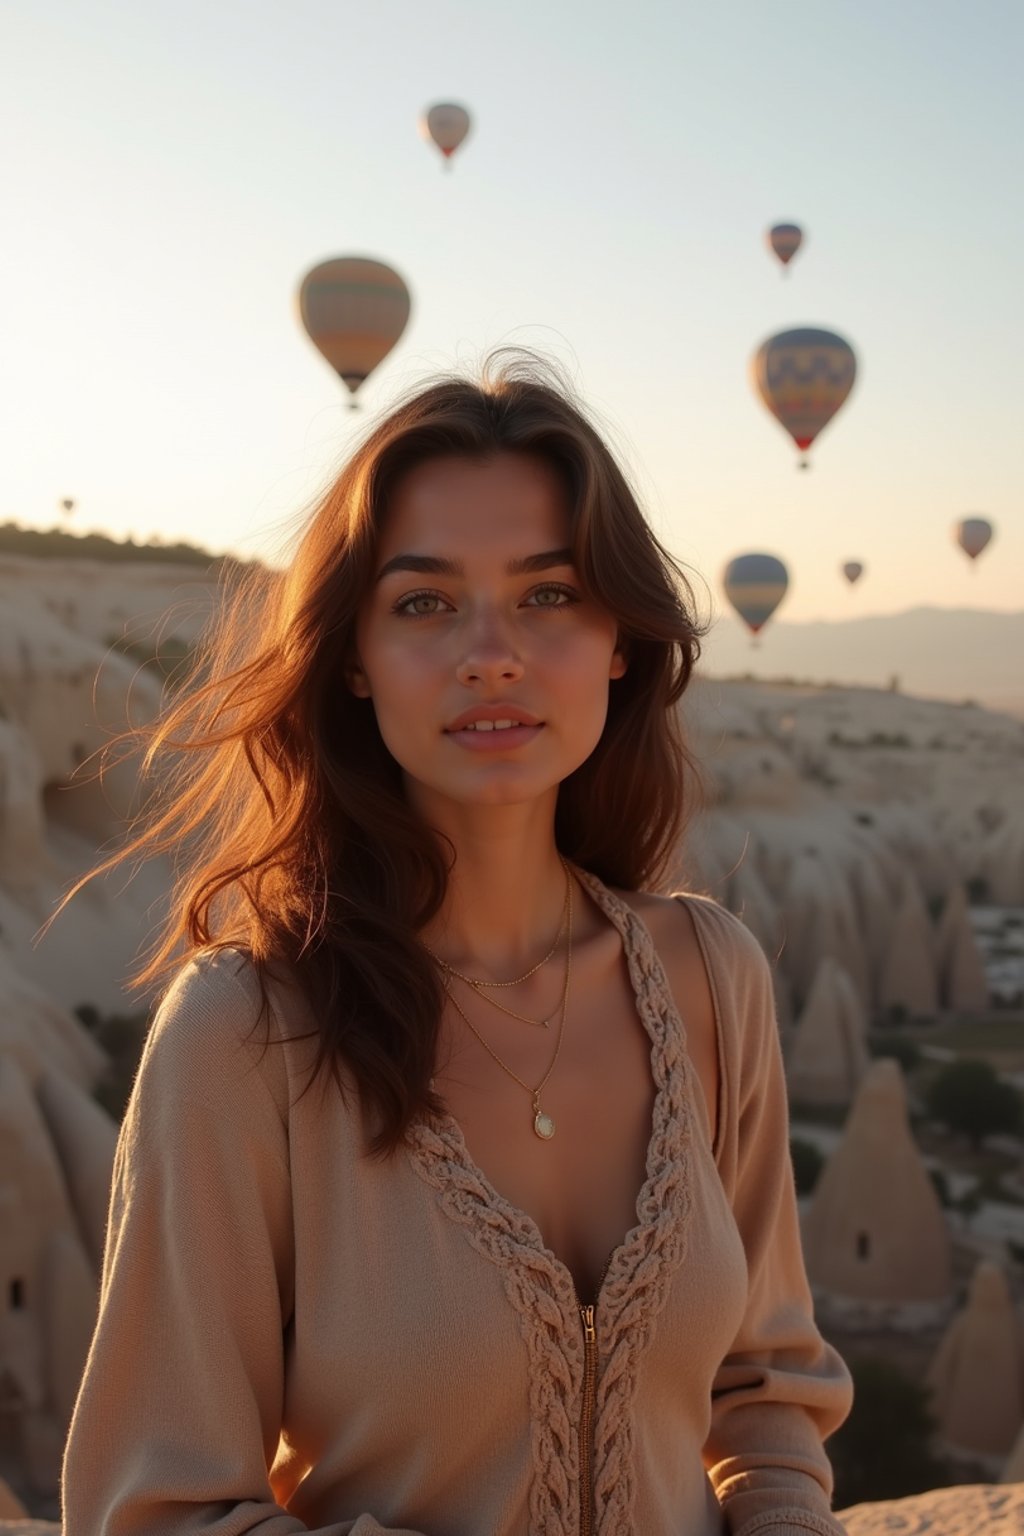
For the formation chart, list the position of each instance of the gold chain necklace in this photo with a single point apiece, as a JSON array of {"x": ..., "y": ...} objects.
[
  {"x": 475, "y": 982},
  {"x": 543, "y": 1124}
]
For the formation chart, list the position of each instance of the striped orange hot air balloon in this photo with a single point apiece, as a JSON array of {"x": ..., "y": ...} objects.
[
  {"x": 803, "y": 377},
  {"x": 354, "y": 310}
]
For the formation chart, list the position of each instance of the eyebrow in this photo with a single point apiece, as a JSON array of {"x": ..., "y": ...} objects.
[{"x": 442, "y": 565}]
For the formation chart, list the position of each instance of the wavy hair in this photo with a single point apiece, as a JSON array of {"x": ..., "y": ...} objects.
[{"x": 281, "y": 807}]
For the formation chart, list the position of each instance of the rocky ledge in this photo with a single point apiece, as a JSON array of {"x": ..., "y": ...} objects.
[{"x": 972, "y": 1509}]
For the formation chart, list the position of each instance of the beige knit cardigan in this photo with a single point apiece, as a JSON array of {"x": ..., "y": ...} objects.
[{"x": 292, "y": 1337}]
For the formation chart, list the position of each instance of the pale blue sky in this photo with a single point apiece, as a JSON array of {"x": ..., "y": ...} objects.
[{"x": 172, "y": 170}]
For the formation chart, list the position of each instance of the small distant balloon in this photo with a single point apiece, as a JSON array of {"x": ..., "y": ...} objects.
[
  {"x": 853, "y": 570},
  {"x": 803, "y": 377},
  {"x": 973, "y": 534},
  {"x": 755, "y": 585},
  {"x": 785, "y": 240},
  {"x": 67, "y": 504},
  {"x": 354, "y": 310},
  {"x": 447, "y": 124}
]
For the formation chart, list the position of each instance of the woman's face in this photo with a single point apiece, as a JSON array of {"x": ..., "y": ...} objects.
[{"x": 477, "y": 606}]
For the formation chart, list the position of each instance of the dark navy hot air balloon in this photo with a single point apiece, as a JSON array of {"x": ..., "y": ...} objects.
[{"x": 755, "y": 585}]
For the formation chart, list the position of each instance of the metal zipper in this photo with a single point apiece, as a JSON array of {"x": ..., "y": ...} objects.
[{"x": 586, "y": 1428}]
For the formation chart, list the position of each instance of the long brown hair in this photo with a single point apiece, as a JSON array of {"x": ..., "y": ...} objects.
[{"x": 284, "y": 811}]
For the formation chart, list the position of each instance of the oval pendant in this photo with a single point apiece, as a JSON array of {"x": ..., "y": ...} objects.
[{"x": 543, "y": 1125}]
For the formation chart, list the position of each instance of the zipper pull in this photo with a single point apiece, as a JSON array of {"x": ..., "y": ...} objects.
[{"x": 589, "y": 1331}]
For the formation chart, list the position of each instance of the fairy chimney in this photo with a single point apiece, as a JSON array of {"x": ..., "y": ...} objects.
[
  {"x": 827, "y": 1056},
  {"x": 908, "y": 977},
  {"x": 977, "y": 1375},
  {"x": 961, "y": 973},
  {"x": 874, "y": 1230}
]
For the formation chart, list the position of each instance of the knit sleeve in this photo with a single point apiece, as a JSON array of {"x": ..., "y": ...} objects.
[
  {"x": 177, "y": 1421},
  {"x": 781, "y": 1390}
]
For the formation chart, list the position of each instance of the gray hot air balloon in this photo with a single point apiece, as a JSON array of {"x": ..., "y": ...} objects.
[
  {"x": 447, "y": 125},
  {"x": 785, "y": 240},
  {"x": 973, "y": 534}
]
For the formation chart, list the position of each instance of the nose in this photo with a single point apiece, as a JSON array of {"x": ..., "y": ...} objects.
[{"x": 489, "y": 654}]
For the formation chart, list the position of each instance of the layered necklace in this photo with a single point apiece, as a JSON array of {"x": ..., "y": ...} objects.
[{"x": 543, "y": 1124}]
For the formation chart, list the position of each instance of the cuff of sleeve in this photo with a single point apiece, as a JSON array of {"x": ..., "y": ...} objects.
[{"x": 789, "y": 1522}]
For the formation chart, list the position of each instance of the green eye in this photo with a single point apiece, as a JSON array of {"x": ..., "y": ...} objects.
[
  {"x": 556, "y": 589},
  {"x": 407, "y": 610}
]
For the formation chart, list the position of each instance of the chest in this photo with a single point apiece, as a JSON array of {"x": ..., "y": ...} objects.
[{"x": 580, "y": 1187}]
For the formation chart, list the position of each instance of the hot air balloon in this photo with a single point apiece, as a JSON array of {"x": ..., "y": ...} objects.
[
  {"x": 755, "y": 586},
  {"x": 447, "y": 124},
  {"x": 785, "y": 240},
  {"x": 853, "y": 571},
  {"x": 67, "y": 504},
  {"x": 973, "y": 534},
  {"x": 354, "y": 309},
  {"x": 803, "y": 377}
]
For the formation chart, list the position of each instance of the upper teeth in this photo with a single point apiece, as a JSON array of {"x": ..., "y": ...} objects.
[{"x": 490, "y": 725}]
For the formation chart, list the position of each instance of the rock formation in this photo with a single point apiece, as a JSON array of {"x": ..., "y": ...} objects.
[
  {"x": 827, "y": 1055},
  {"x": 977, "y": 1374},
  {"x": 875, "y": 1232},
  {"x": 909, "y": 978},
  {"x": 962, "y": 983}
]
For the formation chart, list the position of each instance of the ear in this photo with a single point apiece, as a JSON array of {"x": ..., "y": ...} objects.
[
  {"x": 619, "y": 661},
  {"x": 357, "y": 680}
]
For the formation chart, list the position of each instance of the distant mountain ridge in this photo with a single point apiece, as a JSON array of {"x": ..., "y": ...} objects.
[{"x": 945, "y": 653}]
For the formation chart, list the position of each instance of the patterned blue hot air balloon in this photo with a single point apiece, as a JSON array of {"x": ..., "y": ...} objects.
[
  {"x": 755, "y": 586},
  {"x": 803, "y": 377}
]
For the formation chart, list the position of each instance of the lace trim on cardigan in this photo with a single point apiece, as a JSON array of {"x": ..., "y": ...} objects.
[{"x": 540, "y": 1287}]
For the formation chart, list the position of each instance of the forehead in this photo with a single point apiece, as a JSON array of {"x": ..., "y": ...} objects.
[{"x": 511, "y": 503}]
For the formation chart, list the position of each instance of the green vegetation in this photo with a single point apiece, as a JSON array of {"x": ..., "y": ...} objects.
[
  {"x": 122, "y": 1036},
  {"x": 971, "y": 1099},
  {"x": 56, "y": 543},
  {"x": 885, "y": 1043},
  {"x": 941, "y": 1182},
  {"x": 981, "y": 1035},
  {"x": 883, "y": 1451},
  {"x": 807, "y": 1164}
]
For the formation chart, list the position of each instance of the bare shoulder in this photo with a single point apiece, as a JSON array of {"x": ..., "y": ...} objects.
[{"x": 671, "y": 926}]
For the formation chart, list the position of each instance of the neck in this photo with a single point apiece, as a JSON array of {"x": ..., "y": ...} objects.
[{"x": 502, "y": 910}]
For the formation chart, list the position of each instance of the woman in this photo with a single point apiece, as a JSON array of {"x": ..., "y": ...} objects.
[{"x": 526, "y": 1262}]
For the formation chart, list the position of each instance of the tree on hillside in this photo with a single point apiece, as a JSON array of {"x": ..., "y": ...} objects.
[
  {"x": 972, "y": 1100},
  {"x": 883, "y": 1450},
  {"x": 807, "y": 1164}
]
